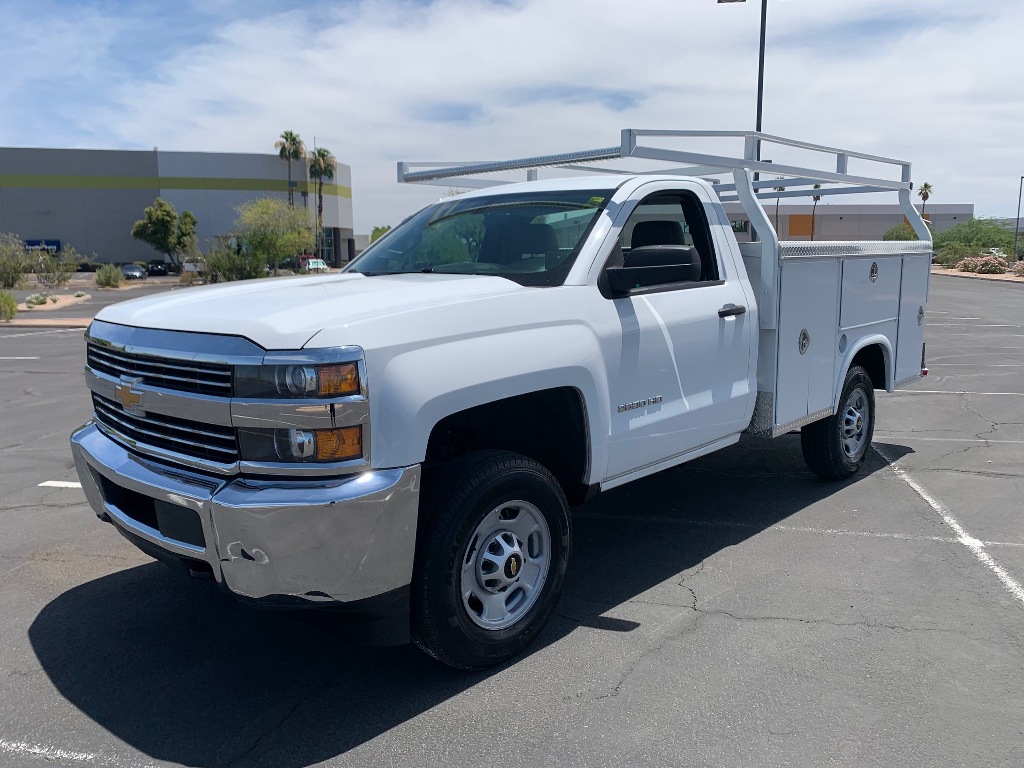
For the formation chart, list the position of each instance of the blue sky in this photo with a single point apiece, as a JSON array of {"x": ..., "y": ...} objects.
[{"x": 935, "y": 81}]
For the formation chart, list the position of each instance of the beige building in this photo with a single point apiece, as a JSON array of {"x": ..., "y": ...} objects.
[
  {"x": 844, "y": 222},
  {"x": 90, "y": 198}
]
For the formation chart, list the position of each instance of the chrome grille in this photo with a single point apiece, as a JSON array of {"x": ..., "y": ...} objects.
[
  {"x": 191, "y": 438},
  {"x": 201, "y": 378}
]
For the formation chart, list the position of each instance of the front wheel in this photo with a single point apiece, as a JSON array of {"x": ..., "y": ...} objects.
[
  {"x": 835, "y": 448},
  {"x": 491, "y": 558}
]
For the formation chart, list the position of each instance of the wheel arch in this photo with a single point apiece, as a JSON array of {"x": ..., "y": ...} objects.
[{"x": 874, "y": 353}]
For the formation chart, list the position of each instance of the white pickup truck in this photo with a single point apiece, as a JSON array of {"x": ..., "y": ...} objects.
[{"x": 404, "y": 441}]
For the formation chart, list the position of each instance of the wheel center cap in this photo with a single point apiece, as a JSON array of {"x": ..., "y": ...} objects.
[{"x": 513, "y": 565}]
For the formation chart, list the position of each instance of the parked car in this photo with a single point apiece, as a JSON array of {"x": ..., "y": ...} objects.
[
  {"x": 156, "y": 268},
  {"x": 316, "y": 265},
  {"x": 133, "y": 272}
]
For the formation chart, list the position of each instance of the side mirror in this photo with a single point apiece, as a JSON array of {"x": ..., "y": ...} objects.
[{"x": 623, "y": 280}]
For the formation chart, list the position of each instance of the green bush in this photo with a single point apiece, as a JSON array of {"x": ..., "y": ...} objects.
[
  {"x": 901, "y": 231},
  {"x": 984, "y": 265},
  {"x": 13, "y": 260},
  {"x": 225, "y": 264},
  {"x": 8, "y": 306},
  {"x": 108, "y": 276},
  {"x": 953, "y": 254},
  {"x": 976, "y": 234},
  {"x": 53, "y": 270},
  {"x": 35, "y": 300},
  {"x": 79, "y": 294}
]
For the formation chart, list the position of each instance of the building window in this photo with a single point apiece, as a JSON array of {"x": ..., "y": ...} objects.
[
  {"x": 740, "y": 226},
  {"x": 327, "y": 245}
]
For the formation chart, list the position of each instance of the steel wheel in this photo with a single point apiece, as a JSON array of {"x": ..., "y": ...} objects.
[
  {"x": 855, "y": 421},
  {"x": 505, "y": 565}
]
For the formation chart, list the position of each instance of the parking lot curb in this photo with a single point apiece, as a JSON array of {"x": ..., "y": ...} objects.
[
  {"x": 971, "y": 276},
  {"x": 47, "y": 322}
]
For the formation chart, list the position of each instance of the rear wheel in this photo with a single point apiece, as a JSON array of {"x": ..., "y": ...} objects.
[
  {"x": 835, "y": 448},
  {"x": 491, "y": 558}
]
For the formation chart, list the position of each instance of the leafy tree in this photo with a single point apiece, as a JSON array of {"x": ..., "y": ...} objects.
[
  {"x": 322, "y": 165},
  {"x": 976, "y": 235},
  {"x": 924, "y": 192},
  {"x": 290, "y": 147},
  {"x": 816, "y": 199},
  {"x": 226, "y": 263},
  {"x": 378, "y": 232},
  {"x": 901, "y": 231},
  {"x": 163, "y": 230},
  {"x": 271, "y": 230},
  {"x": 13, "y": 260}
]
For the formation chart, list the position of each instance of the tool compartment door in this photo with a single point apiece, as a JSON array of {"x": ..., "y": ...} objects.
[
  {"x": 808, "y": 322},
  {"x": 913, "y": 298}
]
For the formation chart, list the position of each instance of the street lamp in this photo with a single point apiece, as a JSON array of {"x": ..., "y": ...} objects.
[
  {"x": 760, "y": 69},
  {"x": 1016, "y": 224}
]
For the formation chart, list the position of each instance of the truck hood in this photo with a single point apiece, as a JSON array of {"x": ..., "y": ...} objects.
[{"x": 285, "y": 313}]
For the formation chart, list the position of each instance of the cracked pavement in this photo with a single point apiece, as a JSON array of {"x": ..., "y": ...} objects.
[{"x": 735, "y": 611}]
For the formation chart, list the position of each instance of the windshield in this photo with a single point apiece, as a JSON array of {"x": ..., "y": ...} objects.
[{"x": 531, "y": 238}]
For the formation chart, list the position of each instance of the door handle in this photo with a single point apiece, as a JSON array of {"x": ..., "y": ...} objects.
[{"x": 731, "y": 309}]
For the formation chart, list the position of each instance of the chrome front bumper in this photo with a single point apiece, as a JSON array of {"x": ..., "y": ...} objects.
[{"x": 311, "y": 541}]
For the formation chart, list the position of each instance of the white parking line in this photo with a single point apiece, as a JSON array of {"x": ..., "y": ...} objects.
[
  {"x": 59, "y": 484},
  {"x": 979, "y": 440},
  {"x": 42, "y": 333},
  {"x": 952, "y": 392},
  {"x": 976, "y": 546},
  {"x": 18, "y": 358},
  {"x": 781, "y": 528},
  {"x": 51, "y": 754}
]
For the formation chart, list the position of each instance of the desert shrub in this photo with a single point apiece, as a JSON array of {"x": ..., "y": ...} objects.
[
  {"x": 984, "y": 265},
  {"x": 953, "y": 254},
  {"x": 8, "y": 306},
  {"x": 1018, "y": 268},
  {"x": 13, "y": 260},
  {"x": 79, "y": 294},
  {"x": 53, "y": 299},
  {"x": 35, "y": 300},
  {"x": 53, "y": 270},
  {"x": 189, "y": 278},
  {"x": 901, "y": 231},
  {"x": 225, "y": 264},
  {"x": 977, "y": 234},
  {"x": 108, "y": 276}
]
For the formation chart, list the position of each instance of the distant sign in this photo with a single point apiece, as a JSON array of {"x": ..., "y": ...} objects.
[{"x": 42, "y": 245}]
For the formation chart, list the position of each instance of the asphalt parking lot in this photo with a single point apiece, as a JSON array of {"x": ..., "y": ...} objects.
[{"x": 734, "y": 611}]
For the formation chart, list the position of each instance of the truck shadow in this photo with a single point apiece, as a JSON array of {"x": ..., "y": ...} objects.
[{"x": 184, "y": 674}]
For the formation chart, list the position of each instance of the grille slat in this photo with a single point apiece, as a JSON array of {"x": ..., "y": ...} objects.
[
  {"x": 200, "y": 378},
  {"x": 165, "y": 432}
]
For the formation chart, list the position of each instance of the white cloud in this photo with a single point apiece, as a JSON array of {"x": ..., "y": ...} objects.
[{"x": 937, "y": 82}]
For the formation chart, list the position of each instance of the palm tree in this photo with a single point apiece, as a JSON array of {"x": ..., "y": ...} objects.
[
  {"x": 778, "y": 231},
  {"x": 290, "y": 147},
  {"x": 924, "y": 192},
  {"x": 322, "y": 165},
  {"x": 816, "y": 199}
]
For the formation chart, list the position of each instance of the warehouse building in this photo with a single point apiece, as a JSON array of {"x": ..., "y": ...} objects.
[
  {"x": 844, "y": 222},
  {"x": 90, "y": 198}
]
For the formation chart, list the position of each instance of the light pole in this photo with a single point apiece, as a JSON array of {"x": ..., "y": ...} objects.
[
  {"x": 1016, "y": 223},
  {"x": 760, "y": 71}
]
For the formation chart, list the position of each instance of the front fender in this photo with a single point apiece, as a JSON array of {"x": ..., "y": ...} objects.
[{"x": 413, "y": 390}]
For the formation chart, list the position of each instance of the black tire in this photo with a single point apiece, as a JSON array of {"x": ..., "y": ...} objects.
[
  {"x": 822, "y": 442},
  {"x": 457, "y": 498}
]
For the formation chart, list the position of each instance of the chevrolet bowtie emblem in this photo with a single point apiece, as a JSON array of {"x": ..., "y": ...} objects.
[{"x": 129, "y": 399}]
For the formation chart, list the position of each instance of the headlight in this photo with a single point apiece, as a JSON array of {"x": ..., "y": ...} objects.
[
  {"x": 301, "y": 445},
  {"x": 300, "y": 381}
]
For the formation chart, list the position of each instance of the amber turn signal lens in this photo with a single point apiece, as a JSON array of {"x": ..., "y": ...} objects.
[
  {"x": 337, "y": 380},
  {"x": 339, "y": 444}
]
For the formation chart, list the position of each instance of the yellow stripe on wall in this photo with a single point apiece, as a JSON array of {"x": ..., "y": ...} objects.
[{"x": 156, "y": 183}]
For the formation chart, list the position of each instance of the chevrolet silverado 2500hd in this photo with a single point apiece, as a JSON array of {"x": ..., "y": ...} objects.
[{"x": 404, "y": 440}]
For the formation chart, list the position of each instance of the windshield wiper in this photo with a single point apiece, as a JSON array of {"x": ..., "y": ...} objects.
[{"x": 423, "y": 270}]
